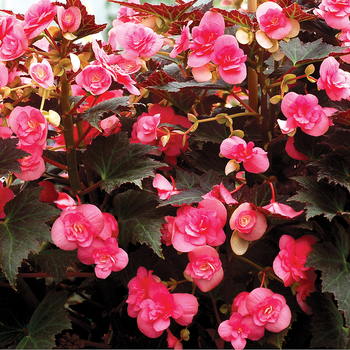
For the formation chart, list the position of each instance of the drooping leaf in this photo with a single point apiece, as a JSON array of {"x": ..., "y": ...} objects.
[
  {"x": 23, "y": 230},
  {"x": 327, "y": 323},
  {"x": 93, "y": 115},
  {"x": 55, "y": 262},
  {"x": 296, "y": 12},
  {"x": 320, "y": 197},
  {"x": 330, "y": 257},
  {"x": 300, "y": 53},
  {"x": 88, "y": 25},
  {"x": 49, "y": 319},
  {"x": 9, "y": 156},
  {"x": 234, "y": 17},
  {"x": 139, "y": 220},
  {"x": 117, "y": 161}
]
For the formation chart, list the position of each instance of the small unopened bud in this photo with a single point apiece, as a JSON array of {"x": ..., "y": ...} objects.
[{"x": 185, "y": 334}]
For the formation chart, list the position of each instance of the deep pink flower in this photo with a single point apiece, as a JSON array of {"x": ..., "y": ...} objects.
[
  {"x": 106, "y": 255},
  {"x": 32, "y": 167},
  {"x": 291, "y": 151},
  {"x": 110, "y": 228},
  {"x": 205, "y": 268},
  {"x": 168, "y": 230},
  {"x": 269, "y": 309},
  {"x": 239, "y": 303},
  {"x": 6, "y": 195},
  {"x": 4, "y": 75},
  {"x": 305, "y": 112},
  {"x": 38, "y": 17},
  {"x": 239, "y": 328},
  {"x": 183, "y": 42},
  {"x": 289, "y": 265},
  {"x": 345, "y": 38},
  {"x": 69, "y": 19},
  {"x": 145, "y": 129},
  {"x": 138, "y": 290},
  {"x": 65, "y": 201},
  {"x": 199, "y": 226},
  {"x": 77, "y": 227},
  {"x": 211, "y": 26},
  {"x": 254, "y": 158},
  {"x": 282, "y": 209},
  {"x": 173, "y": 342},
  {"x": 221, "y": 193},
  {"x": 5, "y": 132},
  {"x": 336, "y": 13},
  {"x": 164, "y": 187},
  {"x": 94, "y": 79},
  {"x": 138, "y": 40},
  {"x": 42, "y": 73},
  {"x": 230, "y": 59},
  {"x": 306, "y": 286},
  {"x": 334, "y": 80}
]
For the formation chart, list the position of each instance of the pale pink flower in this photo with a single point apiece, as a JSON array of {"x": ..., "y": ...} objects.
[
  {"x": 230, "y": 59},
  {"x": 173, "y": 342},
  {"x": 239, "y": 328},
  {"x": 282, "y": 209},
  {"x": 138, "y": 40},
  {"x": 199, "y": 226},
  {"x": 334, "y": 80},
  {"x": 65, "y": 201},
  {"x": 183, "y": 42},
  {"x": 304, "y": 111},
  {"x": 42, "y": 73},
  {"x": 127, "y": 14},
  {"x": 269, "y": 309},
  {"x": 13, "y": 40},
  {"x": 38, "y": 17},
  {"x": 110, "y": 125},
  {"x": 138, "y": 290},
  {"x": 6, "y": 195},
  {"x": 336, "y": 13},
  {"x": 32, "y": 167},
  {"x": 94, "y": 79},
  {"x": 211, "y": 26},
  {"x": 69, "y": 19},
  {"x": 205, "y": 268},
  {"x": 306, "y": 286},
  {"x": 77, "y": 227},
  {"x": 145, "y": 129},
  {"x": 4, "y": 75},
  {"x": 289, "y": 265},
  {"x": 129, "y": 64},
  {"x": 110, "y": 228},
  {"x": 254, "y": 158},
  {"x": 164, "y": 187},
  {"x": 106, "y": 255},
  {"x": 221, "y": 193},
  {"x": 239, "y": 304}
]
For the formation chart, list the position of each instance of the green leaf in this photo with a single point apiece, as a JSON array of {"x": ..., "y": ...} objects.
[
  {"x": 321, "y": 198},
  {"x": 327, "y": 323},
  {"x": 212, "y": 132},
  {"x": 55, "y": 262},
  {"x": 93, "y": 115},
  {"x": 9, "y": 156},
  {"x": 49, "y": 319},
  {"x": 186, "y": 180},
  {"x": 139, "y": 220},
  {"x": 117, "y": 161},
  {"x": 331, "y": 259},
  {"x": 300, "y": 53},
  {"x": 23, "y": 230}
]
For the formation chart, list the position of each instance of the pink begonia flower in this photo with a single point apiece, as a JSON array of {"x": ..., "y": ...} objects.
[
  {"x": 13, "y": 40},
  {"x": 110, "y": 228},
  {"x": 221, "y": 193},
  {"x": 127, "y": 14},
  {"x": 173, "y": 342},
  {"x": 155, "y": 313},
  {"x": 48, "y": 193},
  {"x": 205, "y": 268},
  {"x": 30, "y": 126},
  {"x": 94, "y": 79},
  {"x": 110, "y": 125},
  {"x": 239, "y": 303},
  {"x": 4, "y": 75},
  {"x": 211, "y": 26},
  {"x": 335, "y": 13},
  {"x": 289, "y": 264},
  {"x": 129, "y": 64},
  {"x": 6, "y": 195},
  {"x": 164, "y": 187},
  {"x": 69, "y": 19},
  {"x": 38, "y": 17},
  {"x": 282, "y": 209},
  {"x": 254, "y": 158},
  {"x": 168, "y": 230},
  {"x": 42, "y": 73},
  {"x": 230, "y": 59},
  {"x": 65, "y": 201},
  {"x": 199, "y": 226},
  {"x": 77, "y": 227},
  {"x": 334, "y": 80},
  {"x": 5, "y": 132},
  {"x": 269, "y": 309},
  {"x": 239, "y": 328},
  {"x": 292, "y": 152},
  {"x": 32, "y": 167},
  {"x": 106, "y": 255},
  {"x": 145, "y": 129},
  {"x": 138, "y": 290},
  {"x": 183, "y": 42},
  {"x": 345, "y": 38},
  {"x": 305, "y": 112},
  {"x": 306, "y": 286},
  {"x": 138, "y": 40}
]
